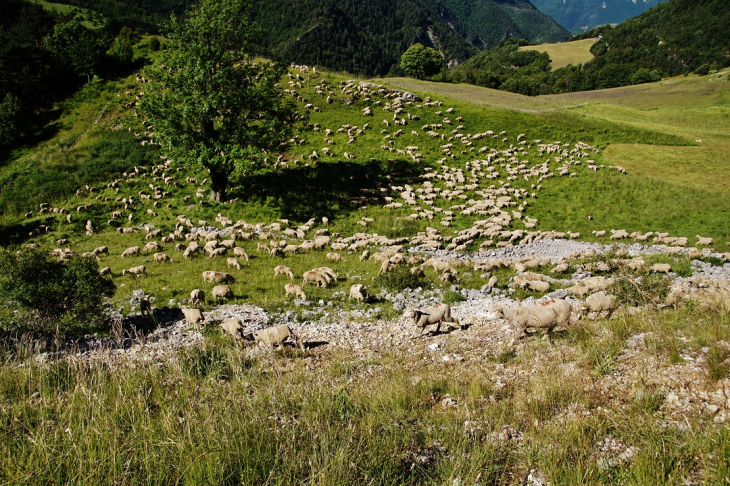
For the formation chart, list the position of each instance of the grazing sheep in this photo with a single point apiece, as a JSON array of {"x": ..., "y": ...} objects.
[
  {"x": 151, "y": 246},
  {"x": 218, "y": 252},
  {"x": 600, "y": 302},
  {"x": 433, "y": 315},
  {"x": 295, "y": 290},
  {"x": 546, "y": 315},
  {"x": 599, "y": 234},
  {"x": 448, "y": 277},
  {"x": 193, "y": 317},
  {"x": 134, "y": 250},
  {"x": 233, "y": 327},
  {"x": 365, "y": 256},
  {"x": 660, "y": 268},
  {"x": 232, "y": 262},
  {"x": 335, "y": 257},
  {"x": 276, "y": 252},
  {"x": 417, "y": 271},
  {"x": 217, "y": 277},
  {"x": 327, "y": 273},
  {"x": 493, "y": 281},
  {"x": 240, "y": 252},
  {"x": 136, "y": 271},
  {"x": 316, "y": 277},
  {"x": 358, "y": 292},
  {"x": 101, "y": 250},
  {"x": 387, "y": 266},
  {"x": 275, "y": 336},
  {"x": 282, "y": 270},
  {"x": 161, "y": 257},
  {"x": 105, "y": 271},
  {"x": 197, "y": 297},
  {"x": 221, "y": 292},
  {"x": 561, "y": 268}
]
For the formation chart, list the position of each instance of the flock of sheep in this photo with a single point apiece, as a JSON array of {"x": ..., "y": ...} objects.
[{"x": 492, "y": 188}]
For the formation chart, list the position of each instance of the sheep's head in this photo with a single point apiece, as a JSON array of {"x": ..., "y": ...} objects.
[
  {"x": 410, "y": 313},
  {"x": 497, "y": 312}
]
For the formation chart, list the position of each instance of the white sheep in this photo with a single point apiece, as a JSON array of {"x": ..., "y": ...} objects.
[
  {"x": 197, "y": 297},
  {"x": 282, "y": 270},
  {"x": 600, "y": 302},
  {"x": 358, "y": 292},
  {"x": 221, "y": 292},
  {"x": 232, "y": 262},
  {"x": 240, "y": 252},
  {"x": 295, "y": 290},
  {"x": 335, "y": 257},
  {"x": 136, "y": 271},
  {"x": 703, "y": 241},
  {"x": 315, "y": 277},
  {"x": 193, "y": 317},
  {"x": 275, "y": 336},
  {"x": 161, "y": 257},
  {"x": 233, "y": 327},
  {"x": 437, "y": 314},
  {"x": 546, "y": 315},
  {"x": 217, "y": 277},
  {"x": 133, "y": 250}
]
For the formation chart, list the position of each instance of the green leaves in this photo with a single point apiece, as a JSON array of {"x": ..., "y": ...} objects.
[
  {"x": 421, "y": 62},
  {"x": 212, "y": 104}
]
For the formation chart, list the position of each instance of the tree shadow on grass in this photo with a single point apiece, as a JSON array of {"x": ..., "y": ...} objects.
[{"x": 301, "y": 193}]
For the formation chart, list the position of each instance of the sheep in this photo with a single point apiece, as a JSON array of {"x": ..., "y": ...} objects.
[
  {"x": 335, "y": 257},
  {"x": 703, "y": 241},
  {"x": 365, "y": 256},
  {"x": 101, "y": 250},
  {"x": 134, "y": 250},
  {"x": 316, "y": 277},
  {"x": 232, "y": 262},
  {"x": 217, "y": 277},
  {"x": 387, "y": 266},
  {"x": 240, "y": 252},
  {"x": 327, "y": 273},
  {"x": 221, "y": 292},
  {"x": 105, "y": 271},
  {"x": 161, "y": 257},
  {"x": 275, "y": 335},
  {"x": 276, "y": 252},
  {"x": 145, "y": 307},
  {"x": 193, "y": 317},
  {"x": 358, "y": 292},
  {"x": 417, "y": 271},
  {"x": 218, "y": 252},
  {"x": 660, "y": 268},
  {"x": 233, "y": 327},
  {"x": 151, "y": 246},
  {"x": 599, "y": 234},
  {"x": 136, "y": 271},
  {"x": 546, "y": 315},
  {"x": 448, "y": 277},
  {"x": 433, "y": 315},
  {"x": 282, "y": 270},
  {"x": 600, "y": 302},
  {"x": 295, "y": 290},
  {"x": 197, "y": 297}
]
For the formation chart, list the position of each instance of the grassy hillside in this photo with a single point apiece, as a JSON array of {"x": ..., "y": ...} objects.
[
  {"x": 564, "y": 53},
  {"x": 89, "y": 18}
]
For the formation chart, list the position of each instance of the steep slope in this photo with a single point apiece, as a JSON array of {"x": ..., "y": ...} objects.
[
  {"x": 485, "y": 23},
  {"x": 581, "y": 15}
]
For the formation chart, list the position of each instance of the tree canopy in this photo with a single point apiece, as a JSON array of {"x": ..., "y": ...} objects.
[
  {"x": 212, "y": 104},
  {"x": 421, "y": 62}
]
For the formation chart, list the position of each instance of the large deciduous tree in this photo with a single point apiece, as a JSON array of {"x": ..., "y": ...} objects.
[
  {"x": 212, "y": 104},
  {"x": 420, "y": 61}
]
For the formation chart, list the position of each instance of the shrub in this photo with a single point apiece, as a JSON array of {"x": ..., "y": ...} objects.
[
  {"x": 58, "y": 295},
  {"x": 401, "y": 278},
  {"x": 640, "y": 288}
]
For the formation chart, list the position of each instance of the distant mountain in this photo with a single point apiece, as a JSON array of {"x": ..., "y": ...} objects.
[
  {"x": 582, "y": 15},
  {"x": 363, "y": 36}
]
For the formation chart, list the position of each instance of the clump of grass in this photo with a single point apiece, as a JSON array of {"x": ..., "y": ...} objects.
[
  {"x": 452, "y": 297},
  {"x": 640, "y": 288},
  {"x": 402, "y": 278},
  {"x": 717, "y": 363}
]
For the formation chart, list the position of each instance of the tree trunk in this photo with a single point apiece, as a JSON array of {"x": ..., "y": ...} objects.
[{"x": 218, "y": 186}]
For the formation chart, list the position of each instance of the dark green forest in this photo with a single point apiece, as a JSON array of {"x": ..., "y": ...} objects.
[
  {"x": 357, "y": 36},
  {"x": 45, "y": 58},
  {"x": 674, "y": 38}
]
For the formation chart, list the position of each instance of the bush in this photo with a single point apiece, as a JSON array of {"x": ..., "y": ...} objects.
[
  {"x": 401, "y": 278},
  {"x": 58, "y": 295},
  {"x": 640, "y": 288}
]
